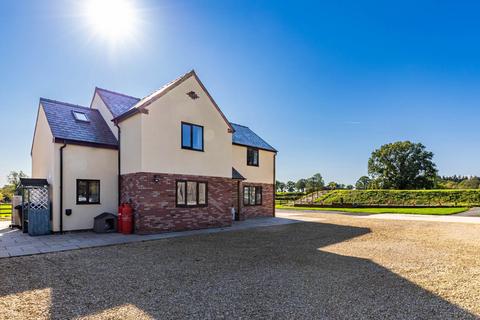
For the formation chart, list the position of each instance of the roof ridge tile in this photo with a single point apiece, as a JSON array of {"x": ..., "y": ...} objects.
[
  {"x": 57, "y": 102},
  {"x": 118, "y": 93}
]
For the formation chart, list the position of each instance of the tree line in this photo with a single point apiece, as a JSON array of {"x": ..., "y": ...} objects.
[
  {"x": 400, "y": 165},
  {"x": 314, "y": 183}
]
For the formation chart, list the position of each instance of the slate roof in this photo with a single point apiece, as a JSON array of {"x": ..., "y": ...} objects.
[
  {"x": 244, "y": 136},
  {"x": 64, "y": 125},
  {"x": 237, "y": 175},
  {"x": 117, "y": 103}
]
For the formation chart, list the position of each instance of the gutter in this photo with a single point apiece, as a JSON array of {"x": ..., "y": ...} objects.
[
  {"x": 61, "y": 186},
  {"x": 119, "y": 163},
  {"x": 274, "y": 181}
]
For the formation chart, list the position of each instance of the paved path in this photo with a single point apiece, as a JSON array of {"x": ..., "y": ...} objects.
[
  {"x": 422, "y": 217},
  {"x": 473, "y": 212},
  {"x": 291, "y": 214},
  {"x": 15, "y": 243}
]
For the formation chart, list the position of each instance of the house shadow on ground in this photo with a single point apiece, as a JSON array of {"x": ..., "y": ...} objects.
[{"x": 275, "y": 272}]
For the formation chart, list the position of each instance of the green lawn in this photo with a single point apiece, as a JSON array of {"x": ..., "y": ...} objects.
[
  {"x": 428, "y": 211},
  {"x": 5, "y": 211}
]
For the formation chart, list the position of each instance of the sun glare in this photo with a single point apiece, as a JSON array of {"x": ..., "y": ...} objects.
[{"x": 113, "y": 20}]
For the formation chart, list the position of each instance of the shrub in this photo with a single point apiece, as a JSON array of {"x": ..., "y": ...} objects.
[{"x": 403, "y": 197}]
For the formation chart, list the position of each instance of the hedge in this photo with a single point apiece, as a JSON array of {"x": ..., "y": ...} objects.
[
  {"x": 288, "y": 195},
  {"x": 454, "y": 197}
]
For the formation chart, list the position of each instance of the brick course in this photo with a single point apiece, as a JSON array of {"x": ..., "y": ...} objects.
[{"x": 155, "y": 208}]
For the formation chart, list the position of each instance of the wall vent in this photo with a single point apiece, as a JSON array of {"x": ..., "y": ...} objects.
[{"x": 193, "y": 95}]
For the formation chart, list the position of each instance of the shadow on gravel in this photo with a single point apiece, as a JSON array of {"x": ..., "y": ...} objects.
[{"x": 274, "y": 272}]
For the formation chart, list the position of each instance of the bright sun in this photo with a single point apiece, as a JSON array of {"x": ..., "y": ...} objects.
[{"x": 113, "y": 20}]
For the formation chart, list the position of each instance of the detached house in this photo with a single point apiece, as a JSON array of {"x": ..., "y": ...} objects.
[{"x": 172, "y": 154}]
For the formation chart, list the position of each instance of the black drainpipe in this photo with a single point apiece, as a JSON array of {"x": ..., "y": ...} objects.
[
  {"x": 61, "y": 186},
  {"x": 119, "y": 163}
]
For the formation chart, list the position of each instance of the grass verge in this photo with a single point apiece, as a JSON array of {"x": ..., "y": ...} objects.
[{"x": 426, "y": 211}]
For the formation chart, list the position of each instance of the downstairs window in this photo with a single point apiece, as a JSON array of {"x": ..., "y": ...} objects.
[
  {"x": 88, "y": 191},
  {"x": 191, "y": 194},
  {"x": 252, "y": 196}
]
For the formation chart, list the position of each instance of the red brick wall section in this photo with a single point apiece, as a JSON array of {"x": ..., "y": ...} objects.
[
  {"x": 264, "y": 210},
  {"x": 155, "y": 208}
]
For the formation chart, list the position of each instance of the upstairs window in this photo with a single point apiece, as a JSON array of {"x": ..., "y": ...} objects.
[
  {"x": 88, "y": 191},
  {"x": 80, "y": 116},
  {"x": 192, "y": 136},
  {"x": 252, "y": 157},
  {"x": 252, "y": 196}
]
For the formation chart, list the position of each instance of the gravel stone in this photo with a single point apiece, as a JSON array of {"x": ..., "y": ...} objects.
[{"x": 330, "y": 267}]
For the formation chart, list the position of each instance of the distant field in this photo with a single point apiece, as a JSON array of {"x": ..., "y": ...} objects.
[
  {"x": 5, "y": 210},
  {"x": 431, "y": 198},
  {"x": 426, "y": 211}
]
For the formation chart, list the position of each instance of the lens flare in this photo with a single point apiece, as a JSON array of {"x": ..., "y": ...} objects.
[{"x": 113, "y": 20}]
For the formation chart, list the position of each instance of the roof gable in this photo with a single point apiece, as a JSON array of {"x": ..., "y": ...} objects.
[
  {"x": 246, "y": 137},
  {"x": 140, "y": 106},
  {"x": 65, "y": 127},
  {"x": 117, "y": 103}
]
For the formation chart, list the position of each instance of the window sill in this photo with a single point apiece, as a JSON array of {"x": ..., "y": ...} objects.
[
  {"x": 191, "y": 206},
  {"x": 192, "y": 149},
  {"x": 83, "y": 203}
]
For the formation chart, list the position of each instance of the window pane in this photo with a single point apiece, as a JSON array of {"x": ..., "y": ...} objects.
[
  {"x": 252, "y": 195},
  {"x": 94, "y": 190},
  {"x": 82, "y": 188},
  {"x": 202, "y": 193},
  {"x": 80, "y": 116},
  {"x": 186, "y": 135},
  {"x": 258, "y": 195},
  {"x": 246, "y": 193},
  {"x": 252, "y": 157},
  {"x": 197, "y": 137},
  {"x": 191, "y": 193},
  {"x": 180, "y": 192}
]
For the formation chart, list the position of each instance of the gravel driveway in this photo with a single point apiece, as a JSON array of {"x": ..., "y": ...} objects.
[{"x": 329, "y": 267}]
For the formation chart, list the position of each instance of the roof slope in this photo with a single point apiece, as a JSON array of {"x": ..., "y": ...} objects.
[
  {"x": 148, "y": 100},
  {"x": 117, "y": 103},
  {"x": 64, "y": 125},
  {"x": 237, "y": 175},
  {"x": 246, "y": 137}
]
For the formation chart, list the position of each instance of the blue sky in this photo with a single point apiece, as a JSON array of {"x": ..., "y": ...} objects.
[{"x": 324, "y": 82}]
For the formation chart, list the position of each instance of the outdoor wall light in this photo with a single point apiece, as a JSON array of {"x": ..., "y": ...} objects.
[{"x": 156, "y": 179}]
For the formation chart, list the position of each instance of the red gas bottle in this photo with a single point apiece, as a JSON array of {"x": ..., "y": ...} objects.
[
  {"x": 119, "y": 218},
  {"x": 127, "y": 219}
]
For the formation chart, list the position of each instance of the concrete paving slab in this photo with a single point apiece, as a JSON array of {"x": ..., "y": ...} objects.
[{"x": 16, "y": 243}]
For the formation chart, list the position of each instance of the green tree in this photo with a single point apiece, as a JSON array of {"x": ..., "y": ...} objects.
[
  {"x": 315, "y": 183},
  {"x": 13, "y": 178},
  {"x": 318, "y": 181},
  {"x": 471, "y": 183},
  {"x": 363, "y": 183},
  {"x": 403, "y": 165},
  {"x": 9, "y": 189},
  {"x": 301, "y": 185},
  {"x": 349, "y": 187},
  {"x": 280, "y": 186},
  {"x": 290, "y": 186},
  {"x": 332, "y": 185}
]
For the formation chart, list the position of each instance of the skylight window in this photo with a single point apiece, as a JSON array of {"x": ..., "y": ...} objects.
[{"x": 80, "y": 116}]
